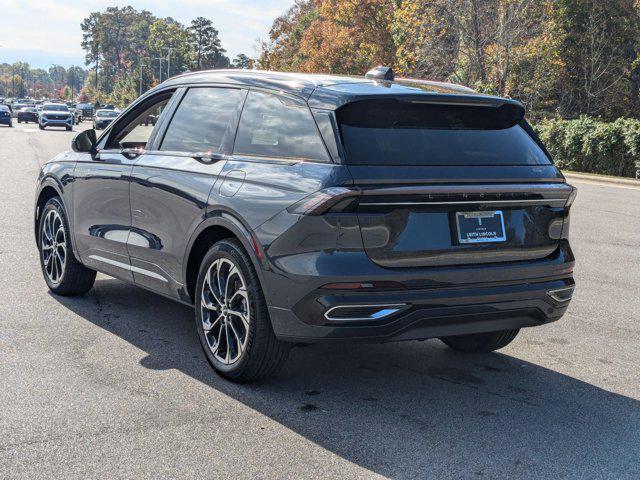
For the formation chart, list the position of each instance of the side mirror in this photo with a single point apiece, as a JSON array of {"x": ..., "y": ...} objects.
[{"x": 85, "y": 142}]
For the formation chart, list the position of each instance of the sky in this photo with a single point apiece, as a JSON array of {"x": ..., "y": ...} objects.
[{"x": 47, "y": 32}]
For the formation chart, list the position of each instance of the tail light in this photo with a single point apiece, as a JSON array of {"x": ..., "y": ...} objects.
[
  {"x": 572, "y": 196},
  {"x": 566, "y": 220},
  {"x": 333, "y": 198}
]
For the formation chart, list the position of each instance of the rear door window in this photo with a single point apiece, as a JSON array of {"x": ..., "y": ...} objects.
[
  {"x": 393, "y": 132},
  {"x": 278, "y": 126},
  {"x": 202, "y": 121}
]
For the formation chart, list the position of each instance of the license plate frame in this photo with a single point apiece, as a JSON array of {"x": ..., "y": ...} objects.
[{"x": 492, "y": 231}]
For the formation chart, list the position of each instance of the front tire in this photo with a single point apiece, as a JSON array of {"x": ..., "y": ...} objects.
[
  {"x": 232, "y": 319},
  {"x": 62, "y": 272},
  {"x": 481, "y": 342}
]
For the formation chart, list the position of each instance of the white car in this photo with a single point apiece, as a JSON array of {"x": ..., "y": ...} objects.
[{"x": 55, "y": 115}]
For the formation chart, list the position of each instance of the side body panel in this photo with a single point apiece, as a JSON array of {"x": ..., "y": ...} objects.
[
  {"x": 102, "y": 212},
  {"x": 168, "y": 201}
]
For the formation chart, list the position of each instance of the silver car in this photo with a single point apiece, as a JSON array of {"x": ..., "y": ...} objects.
[{"x": 55, "y": 115}]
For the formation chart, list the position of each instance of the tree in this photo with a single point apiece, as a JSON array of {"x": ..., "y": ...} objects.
[
  {"x": 206, "y": 45},
  {"x": 597, "y": 47},
  {"x": 167, "y": 35},
  {"x": 58, "y": 75},
  {"x": 124, "y": 92},
  {"x": 242, "y": 61},
  {"x": 334, "y": 36},
  {"x": 75, "y": 79},
  {"x": 282, "y": 50}
]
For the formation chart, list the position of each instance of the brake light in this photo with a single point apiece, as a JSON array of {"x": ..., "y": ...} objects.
[
  {"x": 572, "y": 196},
  {"x": 323, "y": 200}
]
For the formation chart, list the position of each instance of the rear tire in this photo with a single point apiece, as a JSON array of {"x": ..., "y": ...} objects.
[
  {"x": 63, "y": 273},
  {"x": 238, "y": 342},
  {"x": 481, "y": 342},
  {"x": 40, "y": 126}
]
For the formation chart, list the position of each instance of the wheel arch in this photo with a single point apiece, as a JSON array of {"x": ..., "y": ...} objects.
[
  {"x": 218, "y": 226},
  {"x": 49, "y": 188}
]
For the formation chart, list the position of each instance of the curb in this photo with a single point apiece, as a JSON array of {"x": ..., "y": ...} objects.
[{"x": 601, "y": 178}]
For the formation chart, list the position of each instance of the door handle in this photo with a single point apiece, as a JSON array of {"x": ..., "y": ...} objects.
[{"x": 207, "y": 157}]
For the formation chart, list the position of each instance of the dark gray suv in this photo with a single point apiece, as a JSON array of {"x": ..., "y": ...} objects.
[{"x": 290, "y": 209}]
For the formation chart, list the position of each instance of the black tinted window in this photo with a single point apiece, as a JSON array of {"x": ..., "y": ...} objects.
[
  {"x": 202, "y": 121},
  {"x": 390, "y": 132},
  {"x": 277, "y": 126}
]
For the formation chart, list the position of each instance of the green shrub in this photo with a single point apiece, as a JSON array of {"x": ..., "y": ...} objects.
[{"x": 590, "y": 145}]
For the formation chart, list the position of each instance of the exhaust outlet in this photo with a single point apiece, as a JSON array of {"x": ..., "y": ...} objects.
[
  {"x": 346, "y": 313},
  {"x": 562, "y": 295}
]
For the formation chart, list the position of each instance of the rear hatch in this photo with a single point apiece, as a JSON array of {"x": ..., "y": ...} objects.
[{"x": 451, "y": 184}]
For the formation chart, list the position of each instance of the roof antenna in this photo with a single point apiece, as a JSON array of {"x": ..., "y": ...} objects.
[{"x": 380, "y": 73}]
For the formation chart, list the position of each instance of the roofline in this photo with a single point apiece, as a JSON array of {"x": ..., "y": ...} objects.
[
  {"x": 302, "y": 75},
  {"x": 316, "y": 88}
]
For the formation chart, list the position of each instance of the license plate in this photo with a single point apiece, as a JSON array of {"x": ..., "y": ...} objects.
[{"x": 480, "y": 227}]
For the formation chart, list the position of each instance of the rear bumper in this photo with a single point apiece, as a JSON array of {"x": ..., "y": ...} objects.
[
  {"x": 425, "y": 302},
  {"x": 427, "y": 313}
]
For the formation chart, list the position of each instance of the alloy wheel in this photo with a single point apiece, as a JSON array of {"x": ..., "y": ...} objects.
[
  {"x": 225, "y": 311},
  {"x": 53, "y": 243}
]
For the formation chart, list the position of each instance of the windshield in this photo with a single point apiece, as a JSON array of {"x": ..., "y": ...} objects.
[
  {"x": 107, "y": 113},
  {"x": 56, "y": 108},
  {"x": 393, "y": 132}
]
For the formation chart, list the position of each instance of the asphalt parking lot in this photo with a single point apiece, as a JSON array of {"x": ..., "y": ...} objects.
[{"x": 114, "y": 384}]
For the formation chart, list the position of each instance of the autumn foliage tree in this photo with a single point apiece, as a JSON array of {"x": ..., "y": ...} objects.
[
  {"x": 560, "y": 57},
  {"x": 349, "y": 36}
]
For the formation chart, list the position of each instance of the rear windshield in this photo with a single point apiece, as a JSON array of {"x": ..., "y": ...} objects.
[
  {"x": 394, "y": 132},
  {"x": 107, "y": 113}
]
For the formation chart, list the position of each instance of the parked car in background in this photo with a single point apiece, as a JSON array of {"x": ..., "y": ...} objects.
[
  {"x": 103, "y": 118},
  {"x": 77, "y": 115},
  {"x": 55, "y": 115},
  {"x": 27, "y": 114},
  {"x": 86, "y": 110},
  {"x": 5, "y": 116},
  {"x": 151, "y": 120},
  {"x": 22, "y": 103},
  {"x": 291, "y": 209}
]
